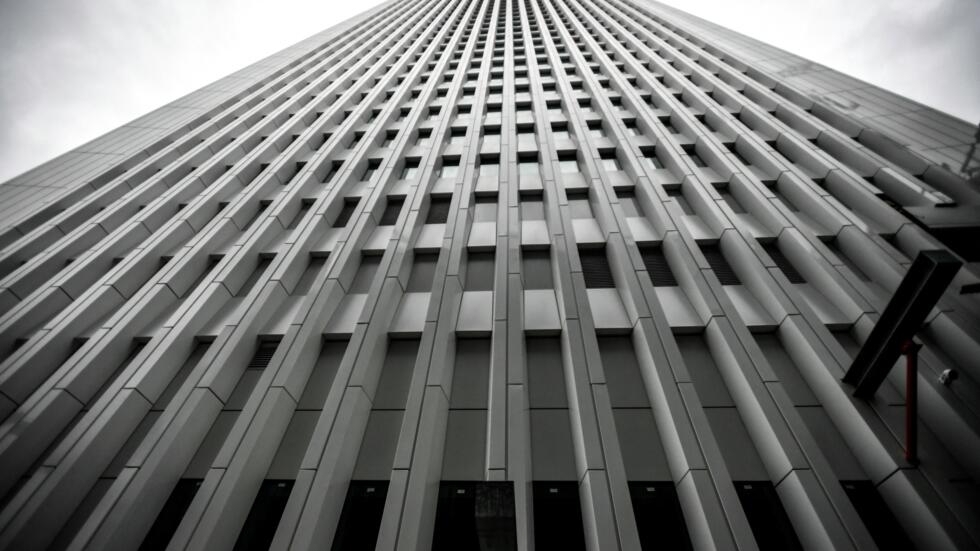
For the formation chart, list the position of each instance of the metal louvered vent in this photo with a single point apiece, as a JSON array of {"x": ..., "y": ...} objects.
[
  {"x": 657, "y": 267},
  {"x": 595, "y": 268},
  {"x": 390, "y": 215},
  {"x": 263, "y": 355},
  {"x": 438, "y": 211},
  {"x": 723, "y": 271},
  {"x": 783, "y": 263}
]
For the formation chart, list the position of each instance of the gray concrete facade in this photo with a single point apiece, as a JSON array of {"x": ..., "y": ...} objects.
[{"x": 525, "y": 274}]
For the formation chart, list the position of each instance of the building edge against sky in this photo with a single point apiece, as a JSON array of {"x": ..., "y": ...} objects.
[{"x": 525, "y": 274}]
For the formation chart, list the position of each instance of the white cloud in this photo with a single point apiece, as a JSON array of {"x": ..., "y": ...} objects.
[{"x": 72, "y": 70}]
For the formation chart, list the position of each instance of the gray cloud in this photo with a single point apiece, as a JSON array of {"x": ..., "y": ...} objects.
[
  {"x": 926, "y": 50},
  {"x": 72, "y": 70}
]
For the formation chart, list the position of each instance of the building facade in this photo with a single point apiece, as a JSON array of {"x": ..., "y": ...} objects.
[{"x": 492, "y": 274}]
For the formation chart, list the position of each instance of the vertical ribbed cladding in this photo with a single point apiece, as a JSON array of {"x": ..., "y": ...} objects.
[{"x": 354, "y": 288}]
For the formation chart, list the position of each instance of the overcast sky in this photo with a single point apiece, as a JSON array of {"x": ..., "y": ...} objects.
[{"x": 71, "y": 70}]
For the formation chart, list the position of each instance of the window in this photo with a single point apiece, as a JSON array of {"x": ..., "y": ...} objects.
[
  {"x": 536, "y": 270},
  {"x": 528, "y": 167},
  {"x": 475, "y": 515},
  {"x": 489, "y": 169},
  {"x": 557, "y": 516},
  {"x": 560, "y": 131},
  {"x": 263, "y": 518},
  {"x": 578, "y": 205},
  {"x": 532, "y": 208},
  {"x": 783, "y": 263},
  {"x": 659, "y": 518},
  {"x": 365, "y": 274},
  {"x": 657, "y": 267},
  {"x": 479, "y": 272},
  {"x": 595, "y": 269},
  {"x": 449, "y": 169},
  {"x": 485, "y": 209},
  {"x": 423, "y": 137},
  {"x": 678, "y": 196},
  {"x": 726, "y": 195},
  {"x": 345, "y": 212},
  {"x": 390, "y": 214},
  {"x": 410, "y": 170},
  {"x": 360, "y": 519},
  {"x": 627, "y": 199},
  {"x": 372, "y": 167},
  {"x": 438, "y": 211},
  {"x": 723, "y": 271},
  {"x": 172, "y": 513},
  {"x": 611, "y": 164},
  {"x": 568, "y": 166},
  {"x": 767, "y": 518},
  {"x": 423, "y": 271}
]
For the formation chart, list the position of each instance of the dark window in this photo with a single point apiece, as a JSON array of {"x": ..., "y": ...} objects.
[
  {"x": 733, "y": 203},
  {"x": 390, "y": 214},
  {"x": 877, "y": 517},
  {"x": 479, "y": 272},
  {"x": 766, "y": 516},
  {"x": 783, "y": 263},
  {"x": 263, "y": 519},
  {"x": 595, "y": 268},
  {"x": 170, "y": 516},
  {"x": 305, "y": 282},
  {"x": 475, "y": 515},
  {"x": 438, "y": 211},
  {"x": 659, "y": 519},
  {"x": 345, "y": 212},
  {"x": 723, "y": 271},
  {"x": 360, "y": 518},
  {"x": 254, "y": 277},
  {"x": 557, "y": 516},
  {"x": 423, "y": 270},
  {"x": 263, "y": 355},
  {"x": 657, "y": 267},
  {"x": 536, "y": 270}
]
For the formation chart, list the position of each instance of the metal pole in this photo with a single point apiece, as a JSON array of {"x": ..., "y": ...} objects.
[{"x": 911, "y": 351}]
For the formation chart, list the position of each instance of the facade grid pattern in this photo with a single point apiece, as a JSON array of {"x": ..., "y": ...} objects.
[{"x": 491, "y": 274}]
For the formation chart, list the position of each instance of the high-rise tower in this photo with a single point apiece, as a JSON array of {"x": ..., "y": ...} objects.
[{"x": 492, "y": 274}]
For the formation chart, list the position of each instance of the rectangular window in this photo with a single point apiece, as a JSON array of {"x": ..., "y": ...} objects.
[
  {"x": 170, "y": 516},
  {"x": 723, "y": 271},
  {"x": 489, "y": 170},
  {"x": 528, "y": 168},
  {"x": 438, "y": 211},
  {"x": 568, "y": 166},
  {"x": 579, "y": 206},
  {"x": 305, "y": 282},
  {"x": 627, "y": 199},
  {"x": 475, "y": 515},
  {"x": 611, "y": 164},
  {"x": 767, "y": 518},
  {"x": 253, "y": 279},
  {"x": 479, "y": 272},
  {"x": 390, "y": 214},
  {"x": 449, "y": 170},
  {"x": 678, "y": 196},
  {"x": 263, "y": 519},
  {"x": 536, "y": 270},
  {"x": 410, "y": 170},
  {"x": 557, "y": 516},
  {"x": 365, "y": 273},
  {"x": 423, "y": 271},
  {"x": 595, "y": 269},
  {"x": 485, "y": 209},
  {"x": 659, "y": 519},
  {"x": 657, "y": 267},
  {"x": 345, "y": 212},
  {"x": 733, "y": 203},
  {"x": 532, "y": 208},
  {"x": 783, "y": 263},
  {"x": 360, "y": 519},
  {"x": 881, "y": 523}
]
